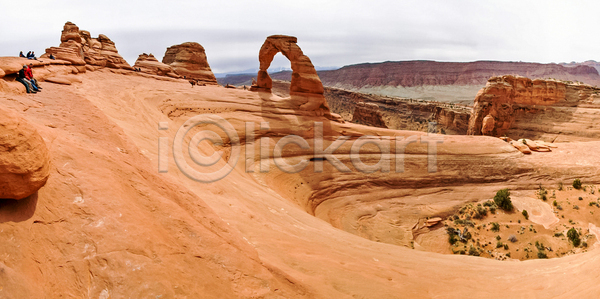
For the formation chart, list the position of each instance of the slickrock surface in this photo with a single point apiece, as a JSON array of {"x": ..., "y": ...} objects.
[
  {"x": 108, "y": 224},
  {"x": 549, "y": 110},
  {"x": 189, "y": 60}
]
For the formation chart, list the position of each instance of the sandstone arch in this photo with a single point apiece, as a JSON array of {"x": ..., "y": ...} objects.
[{"x": 306, "y": 88}]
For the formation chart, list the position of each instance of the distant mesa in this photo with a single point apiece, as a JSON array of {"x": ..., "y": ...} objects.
[
  {"x": 24, "y": 157},
  {"x": 189, "y": 60},
  {"x": 306, "y": 88},
  {"x": 79, "y": 48},
  {"x": 147, "y": 63}
]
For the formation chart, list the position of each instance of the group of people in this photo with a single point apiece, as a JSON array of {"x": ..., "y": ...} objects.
[
  {"x": 25, "y": 76},
  {"x": 30, "y": 55}
]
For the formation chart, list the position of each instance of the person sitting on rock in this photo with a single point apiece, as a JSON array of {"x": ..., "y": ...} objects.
[
  {"x": 52, "y": 57},
  {"x": 21, "y": 54},
  {"x": 31, "y": 55},
  {"x": 29, "y": 76},
  {"x": 21, "y": 78}
]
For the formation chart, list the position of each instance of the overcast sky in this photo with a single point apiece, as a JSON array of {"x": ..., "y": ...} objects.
[{"x": 331, "y": 33}]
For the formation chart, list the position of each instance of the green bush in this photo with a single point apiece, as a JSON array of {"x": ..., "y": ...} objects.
[
  {"x": 577, "y": 184},
  {"x": 542, "y": 255},
  {"x": 473, "y": 251},
  {"x": 495, "y": 226},
  {"x": 502, "y": 200},
  {"x": 452, "y": 238},
  {"x": 573, "y": 236},
  {"x": 560, "y": 186},
  {"x": 525, "y": 214}
]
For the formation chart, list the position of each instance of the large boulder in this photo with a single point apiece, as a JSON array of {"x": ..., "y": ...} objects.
[
  {"x": 147, "y": 63},
  {"x": 189, "y": 60},
  {"x": 24, "y": 158}
]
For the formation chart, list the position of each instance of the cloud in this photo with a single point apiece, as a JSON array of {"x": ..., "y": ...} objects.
[{"x": 331, "y": 33}]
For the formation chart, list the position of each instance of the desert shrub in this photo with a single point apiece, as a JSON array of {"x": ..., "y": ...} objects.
[
  {"x": 493, "y": 209},
  {"x": 576, "y": 207},
  {"x": 505, "y": 246},
  {"x": 573, "y": 236},
  {"x": 577, "y": 184},
  {"x": 558, "y": 235},
  {"x": 560, "y": 186},
  {"x": 452, "y": 237},
  {"x": 525, "y": 214},
  {"x": 584, "y": 244},
  {"x": 580, "y": 198},
  {"x": 495, "y": 227},
  {"x": 512, "y": 238},
  {"x": 499, "y": 244},
  {"x": 539, "y": 246},
  {"x": 554, "y": 203},
  {"x": 502, "y": 200},
  {"x": 480, "y": 212},
  {"x": 489, "y": 203},
  {"x": 473, "y": 251},
  {"x": 498, "y": 237},
  {"x": 542, "y": 255},
  {"x": 543, "y": 193}
]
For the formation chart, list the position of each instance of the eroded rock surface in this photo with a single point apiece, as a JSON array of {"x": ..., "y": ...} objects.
[
  {"x": 78, "y": 47},
  {"x": 147, "y": 63},
  {"x": 535, "y": 109},
  {"x": 189, "y": 60},
  {"x": 24, "y": 158},
  {"x": 368, "y": 114}
]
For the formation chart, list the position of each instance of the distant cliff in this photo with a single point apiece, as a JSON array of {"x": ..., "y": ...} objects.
[{"x": 418, "y": 73}]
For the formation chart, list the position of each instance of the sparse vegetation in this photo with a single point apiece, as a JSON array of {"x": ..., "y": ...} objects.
[
  {"x": 560, "y": 186},
  {"x": 577, "y": 184},
  {"x": 542, "y": 193},
  {"x": 573, "y": 236},
  {"x": 525, "y": 214},
  {"x": 512, "y": 238},
  {"x": 495, "y": 227},
  {"x": 502, "y": 200}
]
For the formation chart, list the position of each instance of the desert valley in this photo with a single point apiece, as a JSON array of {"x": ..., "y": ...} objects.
[{"x": 398, "y": 179}]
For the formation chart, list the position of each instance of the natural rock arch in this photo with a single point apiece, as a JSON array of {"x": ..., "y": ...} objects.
[{"x": 306, "y": 88}]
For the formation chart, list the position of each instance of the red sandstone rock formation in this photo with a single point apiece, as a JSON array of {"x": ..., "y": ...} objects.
[
  {"x": 189, "y": 60},
  {"x": 78, "y": 47},
  {"x": 306, "y": 88},
  {"x": 147, "y": 63},
  {"x": 368, "y": 114},
  {"x": 531, "y": 108},
  {"x": 24, "y": 158}
]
